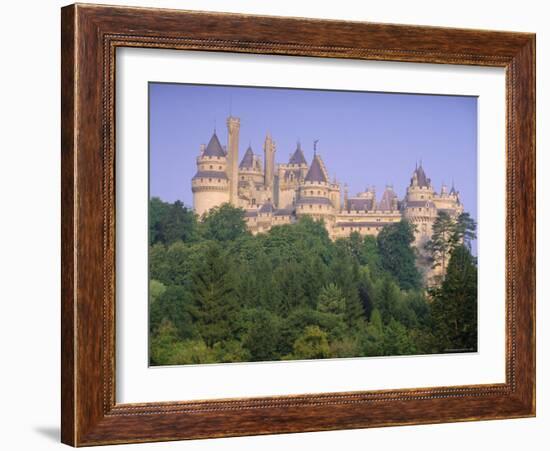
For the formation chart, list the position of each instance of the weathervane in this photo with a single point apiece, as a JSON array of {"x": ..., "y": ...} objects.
[{"x": 315, "y": 146}]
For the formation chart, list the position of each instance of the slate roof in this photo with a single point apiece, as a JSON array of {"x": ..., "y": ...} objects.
[
  {"x": 314, "y": 200},
  {"x": 360, "y": 204},
  {"x": 316, "y": 173},
  {"x": 248, "y": 159},
  {"x": 298, "y": 156},
  {"x": 214, "y": 148},
  {"x": 250, "y": 213},
  {"x": 266, "y": 208},
  {"x": 210, "y": 174},
  {"x": 284, "y": 212}
]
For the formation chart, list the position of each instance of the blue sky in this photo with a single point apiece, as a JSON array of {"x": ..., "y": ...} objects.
[{"x": 364, "y": 138}]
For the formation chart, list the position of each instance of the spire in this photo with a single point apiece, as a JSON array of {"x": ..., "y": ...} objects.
[
  {"x": 214, "y": 148},
  {"x": 453, "y": 191},
  {"x": 387, "y": 203},
  {"x": 420, "y": 176}
]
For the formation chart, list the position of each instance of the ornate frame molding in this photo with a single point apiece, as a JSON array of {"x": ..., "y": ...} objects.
[{"x": 90, "y": 36}]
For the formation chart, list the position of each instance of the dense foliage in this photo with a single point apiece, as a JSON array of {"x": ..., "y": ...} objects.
[{"x": 219, "y": 294}]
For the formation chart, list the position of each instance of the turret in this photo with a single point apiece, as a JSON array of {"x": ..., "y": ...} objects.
[
  {"x": 233, "y": 126},
  {"x": 419, "y": 207},
  {"x": 210, "y": 184},
  {"x": 314, "y": 199},
  {"x": 269, "y": 162}
]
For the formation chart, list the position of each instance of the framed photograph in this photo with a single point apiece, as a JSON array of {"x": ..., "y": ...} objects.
[{"x": 279, "y": 225}]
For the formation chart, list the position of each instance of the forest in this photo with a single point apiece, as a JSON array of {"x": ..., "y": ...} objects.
[{"x": 220, "y": 294}]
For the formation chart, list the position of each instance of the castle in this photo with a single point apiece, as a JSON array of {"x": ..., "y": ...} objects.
[{"x": 274, "y": 194}]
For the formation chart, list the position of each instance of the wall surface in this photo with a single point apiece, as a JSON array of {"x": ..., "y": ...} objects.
[{"x": 30, "y": 261}]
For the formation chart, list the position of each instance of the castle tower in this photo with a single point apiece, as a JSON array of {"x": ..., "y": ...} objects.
[
  {"x": 251, "y": 180},
  {"x": 289, "y": 177},
  {"x": 314, "y": 194},
  {"x": 233, "y": 127},
  {"x": 419, "y": 208},
  {"x": 210, "y": 184},
  {"x": 269, "y": 163}
]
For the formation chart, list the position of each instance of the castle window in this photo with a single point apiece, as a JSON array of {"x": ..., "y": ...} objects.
[
  {"x": 319, "y": 192},
  {"x": 220, "y": 168},
  {"x": 211, "y": 166},
  {"x": 209, "y": 180},
  {"x": 253, "y": 201},
  {"x": 422, "y": 196}
]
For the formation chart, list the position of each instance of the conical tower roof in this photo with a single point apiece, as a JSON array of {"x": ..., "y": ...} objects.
[
  {"x": 298, "y": 156},
  {"x": 316, "y": 172},
  {"x": 248, "y": 159},
  {"x": 214, "y": 148}
]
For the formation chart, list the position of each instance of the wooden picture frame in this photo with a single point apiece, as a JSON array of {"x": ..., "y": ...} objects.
[{"x": 90, "y": 35}]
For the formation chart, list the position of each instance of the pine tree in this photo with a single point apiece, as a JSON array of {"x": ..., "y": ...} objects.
[
  {"x": 214, "y": 293},
  {"x": 465, "y": 230},
  {"x": 397, "y": 255},
  {"x": 443, "y": 240},
  {"x": 332, "y": 300},
  {"x": 344, "y": 272},
  {"x": 454, "y": 306}
]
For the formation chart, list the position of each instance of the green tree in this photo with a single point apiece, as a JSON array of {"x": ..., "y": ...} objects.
[
  {"x": 312, "y": 344},
  {"x": 454, "y": 304},
  {"x": 213, "y": 290},
  {"x": 465, "y": 230},
  {"x": 397, "y": 255},
  {"x": 387, "y": 301},
  {"x": 156, "y": 289},
  {"x": 344, "y": 271},
  {"x": 224, "y": 223},
  {"x": 262, "y": 337},
  {"x": 162, "y": 344},
  {"x": 373, "y": 338},
  {"x": 397, "y": 340},
  {"x": 171, "y": 222},
  {"x": 370, "y": 255},
  {"x": 174, "y": 306},
  {"x": 444, "y": 239},
  {"x": 332, "y": 300}
]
